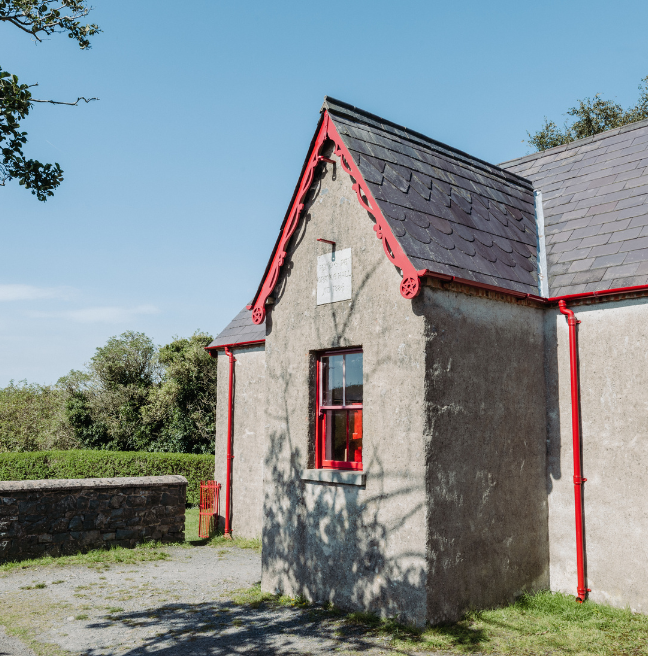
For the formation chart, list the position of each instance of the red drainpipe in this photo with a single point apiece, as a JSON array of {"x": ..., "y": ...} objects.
[
  {"x": 230, "y": 412},
  {"x": 578, "y": 470}
]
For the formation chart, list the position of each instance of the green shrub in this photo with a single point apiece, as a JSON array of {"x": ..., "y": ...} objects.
[{"x": 38, "y": 465}]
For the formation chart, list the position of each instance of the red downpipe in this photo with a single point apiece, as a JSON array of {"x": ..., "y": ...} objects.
[
  {"x": 230, "y": 412},
  {"x": 578, "y": 470}
]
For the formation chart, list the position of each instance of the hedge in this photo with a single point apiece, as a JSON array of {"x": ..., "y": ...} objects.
[{"x": 38, "y": 465}]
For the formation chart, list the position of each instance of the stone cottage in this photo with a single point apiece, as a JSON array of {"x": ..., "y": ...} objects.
[{"x": 396, "y": 411}]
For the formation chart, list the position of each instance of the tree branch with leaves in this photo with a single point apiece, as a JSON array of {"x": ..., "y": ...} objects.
[
  {"x": 39, "y": 19},
  {"x": 591, "y": 116}
]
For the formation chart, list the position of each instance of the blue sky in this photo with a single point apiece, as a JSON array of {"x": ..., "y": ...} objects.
[{"x": 177, "y": 180}]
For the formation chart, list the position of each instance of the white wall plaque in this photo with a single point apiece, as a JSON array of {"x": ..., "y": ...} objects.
[{"x": 334, "y": 277}]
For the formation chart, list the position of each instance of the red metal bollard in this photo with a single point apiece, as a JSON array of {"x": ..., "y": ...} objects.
[{"x": 209, "y": 499}]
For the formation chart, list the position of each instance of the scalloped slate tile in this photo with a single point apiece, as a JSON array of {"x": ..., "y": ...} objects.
[
  {"x": 444, "y": 207},
  {"x": 397, "y": 227},
  {"x": 465, "y": 233},
  {"x": 484, "y": 251},
  {"x": 483, "y": 238},
  {"x": 420, "y": 234},
  {"x": 421, "y": 220},
  {"x": 441, "y": 224},
  {"x": 441, "y": 238}
]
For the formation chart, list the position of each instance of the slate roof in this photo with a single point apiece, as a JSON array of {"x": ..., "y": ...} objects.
[
  {"x": 451, "y": 213},
  {"x": 595, "y": 202},
  {"x": 240, "y": 329}
]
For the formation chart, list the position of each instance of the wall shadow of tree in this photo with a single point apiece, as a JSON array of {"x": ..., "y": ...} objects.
[
  {"x": 331, "y": 542},
  {"x": 338, "y": 543}
]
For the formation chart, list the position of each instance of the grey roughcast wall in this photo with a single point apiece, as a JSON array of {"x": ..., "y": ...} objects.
[
  {"x": 57, "y": 516},
  {"x": 359, "y": 547},
  {"x": 485, "y": 451},
  {"x": 248, "y": 431},
  {"x": 613, "y": 370}
]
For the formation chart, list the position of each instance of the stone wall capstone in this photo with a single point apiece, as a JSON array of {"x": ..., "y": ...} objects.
[{"x": 58, "y": 516}]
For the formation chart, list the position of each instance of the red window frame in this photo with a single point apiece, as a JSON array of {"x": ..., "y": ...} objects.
[{"x": 320, "y": 417}]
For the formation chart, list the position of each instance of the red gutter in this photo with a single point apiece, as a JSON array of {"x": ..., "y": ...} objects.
[
  {"x": 479, "y": 285},
  {"x": 578, "y": 470},
  {"x": 230, "y": 411},
  {"x": 209, "y": 349},
  {"x": 603, "y": 292},
  {"x": 540, "y": 299}
]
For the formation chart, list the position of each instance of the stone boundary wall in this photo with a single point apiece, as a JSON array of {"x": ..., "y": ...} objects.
[{"x": 58, "y": 516}]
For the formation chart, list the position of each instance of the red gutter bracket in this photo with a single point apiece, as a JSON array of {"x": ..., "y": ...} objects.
[{"x": 327, "y": 241}]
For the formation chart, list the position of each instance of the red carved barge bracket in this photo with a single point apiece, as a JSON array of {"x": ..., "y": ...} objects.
[{"x": 410, "y": 285}]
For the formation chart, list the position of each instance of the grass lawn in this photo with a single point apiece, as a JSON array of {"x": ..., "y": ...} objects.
[
  {"x": 543, "y": 624},
  {"x": 95, "y": 558}
]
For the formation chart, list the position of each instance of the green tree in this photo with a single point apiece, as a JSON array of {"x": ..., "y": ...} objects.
[
  {"x": 37, "y": 18},
  {"x": 33, "y": 418},
  {"x": 590, "y": 116},
  {"x": 105, "y": 402},
  {"x": 131, "y": 396},
  {"x": 184, "y": 404},
  {"x": 134, "y": 397}
]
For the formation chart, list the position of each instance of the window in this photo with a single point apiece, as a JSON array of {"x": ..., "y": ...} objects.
[{"x": 339, "y": 410}]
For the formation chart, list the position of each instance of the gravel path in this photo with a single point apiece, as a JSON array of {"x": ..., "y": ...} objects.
[
  {"x": 181, "y": 606},
  {"x": 10, "y": 646}
]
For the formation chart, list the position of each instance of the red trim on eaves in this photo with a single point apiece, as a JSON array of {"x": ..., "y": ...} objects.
[
  {"x": 479, "y": 285},
  {"x": 410, "y": 285},
  {"x": 551, "y": 300},
  {"x": 209, "y": 349},
  {"x": 603, "y": 292}
]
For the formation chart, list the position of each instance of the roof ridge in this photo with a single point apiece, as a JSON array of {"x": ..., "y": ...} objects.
[
  {"x": 338, "y": 106},
  {"x": 577, "y": 143}
]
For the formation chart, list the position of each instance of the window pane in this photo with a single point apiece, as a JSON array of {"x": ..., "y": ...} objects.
[
  {"x": 355, "y": 435},
  {"x": 336, "y": 432},
  {"x": 353, "y": 378},
  {"x": 332, "y": 380}
]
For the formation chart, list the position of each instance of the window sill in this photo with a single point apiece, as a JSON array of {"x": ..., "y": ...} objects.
[{"x": 342, "y": 477}]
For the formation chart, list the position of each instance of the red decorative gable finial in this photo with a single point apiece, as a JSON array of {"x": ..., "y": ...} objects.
[{"x": 410, "y": 285}]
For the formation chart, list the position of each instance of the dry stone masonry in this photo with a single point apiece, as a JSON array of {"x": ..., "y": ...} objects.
[{"x": 56, "y": 517}]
